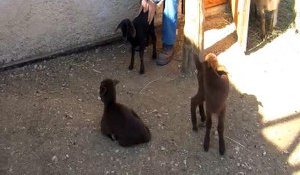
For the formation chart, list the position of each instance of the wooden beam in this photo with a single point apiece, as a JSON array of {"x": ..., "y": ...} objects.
[
  {"x": 193, "y": 34},
  {"x": 240, "y": 12}
]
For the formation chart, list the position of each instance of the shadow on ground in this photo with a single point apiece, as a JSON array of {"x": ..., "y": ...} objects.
[{"x": 50, "y": 114}]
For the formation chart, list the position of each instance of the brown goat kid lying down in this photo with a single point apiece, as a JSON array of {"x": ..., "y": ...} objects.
[
  {"x": 266, "y": 5},
  {"x": 213, "y": 89},
  {"x": 119, "y": 122}
]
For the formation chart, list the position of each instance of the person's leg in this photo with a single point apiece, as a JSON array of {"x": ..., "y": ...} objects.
[{"x": 170, "y": 21}]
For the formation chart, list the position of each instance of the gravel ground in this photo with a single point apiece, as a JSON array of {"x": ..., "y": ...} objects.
[{"x": 50, "y": 114}]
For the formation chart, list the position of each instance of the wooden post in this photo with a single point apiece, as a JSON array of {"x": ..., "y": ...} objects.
[
  {"x": 240, "y": 12},
  {"x": 193, "y": 34},
  {"x": 297, "y": 13}
]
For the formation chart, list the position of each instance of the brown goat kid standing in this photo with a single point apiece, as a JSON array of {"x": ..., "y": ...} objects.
[
  {"x": 213, "y": 89},
  {"x": 119, "y": 122},
  {"x": 266, "y": 5}
]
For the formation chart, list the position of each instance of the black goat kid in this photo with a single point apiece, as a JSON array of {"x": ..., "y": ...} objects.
[
  {"x": 119, "y": 122},
  {"x": 138, "y": 33}
]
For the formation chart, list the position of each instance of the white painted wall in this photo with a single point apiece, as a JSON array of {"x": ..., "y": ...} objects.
[{"x": 34, "y": 27}]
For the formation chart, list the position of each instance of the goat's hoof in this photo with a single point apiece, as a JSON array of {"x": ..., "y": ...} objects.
[
  {"x": 202, "y": 124},
  {"x": 195, "y": 128},
  {"x": 154, "y": 56},
  {"x": 263, "y": 37},
  {"x": 142, "y": 71},
  {"x": 222, "y": 151},
  {"x": 130, "y": 67},
  {"x": 206, "y": 146}
]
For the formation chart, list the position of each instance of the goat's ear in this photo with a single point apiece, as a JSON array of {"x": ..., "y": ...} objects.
[
  {"x": 103, "y": 91},
  {"x": 115, "y": 82},
  {"x": 122, "y": 23},
  {"x": 119, "y": 26},
  {"x": 131, "y": 29}
]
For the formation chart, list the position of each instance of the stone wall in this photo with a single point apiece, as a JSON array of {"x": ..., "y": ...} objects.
[{"x": 35, "y": 27}]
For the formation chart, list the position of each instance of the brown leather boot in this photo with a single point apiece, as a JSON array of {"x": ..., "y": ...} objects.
[{"x": 165, "y": 56}]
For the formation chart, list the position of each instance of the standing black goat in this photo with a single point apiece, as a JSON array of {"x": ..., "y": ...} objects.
[
  {"x": 119, "y": 122},
  {"x": 138, "y": 33}
]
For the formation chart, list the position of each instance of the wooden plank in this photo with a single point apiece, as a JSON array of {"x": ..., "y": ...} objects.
[
  {"x": 215, "y": 10},
  {"x": 243, "y": 23},
  {"x": 240, "y": 12},
  {"x": 213, "y": 3}
]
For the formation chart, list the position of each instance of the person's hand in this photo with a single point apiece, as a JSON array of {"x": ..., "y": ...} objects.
[{"x": 148, "y": 5}]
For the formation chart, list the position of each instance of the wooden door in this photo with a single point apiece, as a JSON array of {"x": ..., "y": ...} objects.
[{"x": 240, "y": 13}]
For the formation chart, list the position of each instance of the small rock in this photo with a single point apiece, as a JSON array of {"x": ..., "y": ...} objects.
[
  {"x": 162, "y": 148},
  {"x": 237, "y": 149},
  {"x": 158, "y": 115},
  {"x": 238, "y": 164},
  {"x": 116, "y": 151},
  {"x": 54, "y": 159},
  {"x": 264, "y": 153},
  {"x": 68, "y": 116},
  {"x": 184, "y": 162}
]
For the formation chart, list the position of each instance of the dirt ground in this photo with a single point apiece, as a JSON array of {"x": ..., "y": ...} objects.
[{"x": 50, "y": 113}]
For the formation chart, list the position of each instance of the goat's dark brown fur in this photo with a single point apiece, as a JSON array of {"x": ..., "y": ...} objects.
[
  {"x": 119, "y": 122},
  {"x": 213, "y": 89}
]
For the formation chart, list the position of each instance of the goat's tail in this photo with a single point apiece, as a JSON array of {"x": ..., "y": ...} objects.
[{"x": 197, "y": 62}]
